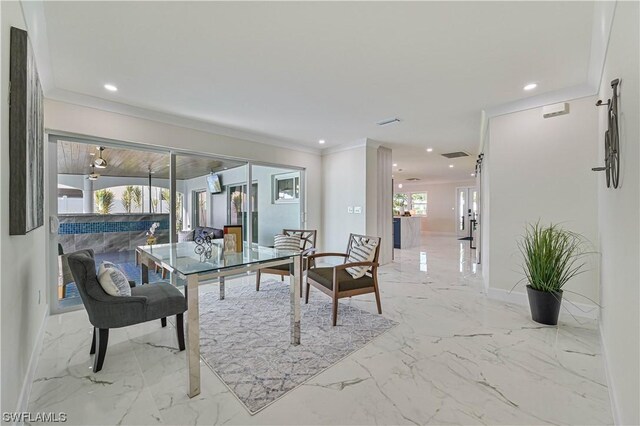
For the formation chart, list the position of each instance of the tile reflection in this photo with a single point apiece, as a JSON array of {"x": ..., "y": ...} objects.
[{"x": 423, "y": 261}]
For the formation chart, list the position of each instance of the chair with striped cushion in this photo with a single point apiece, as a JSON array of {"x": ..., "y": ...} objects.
[
  {"x": 358, "y": 274},
  {"x": 302, "y": 239}
]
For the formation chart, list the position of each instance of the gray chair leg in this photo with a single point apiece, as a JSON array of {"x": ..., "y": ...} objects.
[
  {"x": 180, "y": 330},
  {"x": 258, "y": 280},
  {"x": 102, "y": 337},
  {"x": 93, "y": 342},
  {"x": 163, "y": 321}
]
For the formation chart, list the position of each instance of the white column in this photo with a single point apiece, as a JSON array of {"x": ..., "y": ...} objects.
[{"x": 87, "y": 196}]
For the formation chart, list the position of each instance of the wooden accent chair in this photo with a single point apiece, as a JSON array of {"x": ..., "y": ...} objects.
[
  {"x": 337, "y": 283},
  {"x": 307, "y": 245}
]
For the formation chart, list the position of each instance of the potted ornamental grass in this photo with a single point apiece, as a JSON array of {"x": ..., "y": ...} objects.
[{"x": 552, "y": 257}]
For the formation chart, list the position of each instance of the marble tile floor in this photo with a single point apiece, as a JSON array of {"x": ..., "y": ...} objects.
[{"x": 456, "y": 357}]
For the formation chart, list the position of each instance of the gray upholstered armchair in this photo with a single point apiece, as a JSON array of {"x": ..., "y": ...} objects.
[{"x": 146, "y": 303}]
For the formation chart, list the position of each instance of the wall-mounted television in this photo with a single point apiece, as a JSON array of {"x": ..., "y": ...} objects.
[{"x": 213, "y": 181}]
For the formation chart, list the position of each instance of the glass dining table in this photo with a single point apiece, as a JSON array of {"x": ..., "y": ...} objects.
[{"x": 198, "y": 263}]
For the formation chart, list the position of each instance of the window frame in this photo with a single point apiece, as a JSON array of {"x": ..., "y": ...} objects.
[
  {"x": 410, "y": 206},
  {"x": 295, "y": 177}
]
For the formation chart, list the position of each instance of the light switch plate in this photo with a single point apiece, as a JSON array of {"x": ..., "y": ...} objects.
[
  {"x": 357, "y": 210},
  {"x": 349, "y": 209}
]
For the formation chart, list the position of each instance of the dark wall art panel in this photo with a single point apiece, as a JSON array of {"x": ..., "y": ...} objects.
[{"x": 26, "y": 139}]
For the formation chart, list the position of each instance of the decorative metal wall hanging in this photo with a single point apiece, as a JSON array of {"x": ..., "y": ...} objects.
[
  {"x": 611, "y": 139},
  {"x": 203, "y": 247},
  {"x": 479, "y": 163}
]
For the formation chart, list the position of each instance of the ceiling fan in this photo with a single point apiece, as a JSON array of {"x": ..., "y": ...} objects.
[
  {"x": 100, "y": 162},
  {"x": 93, "y": 175}
]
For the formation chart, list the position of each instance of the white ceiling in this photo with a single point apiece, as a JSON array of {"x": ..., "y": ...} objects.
[{"x": 303, "y": 71}]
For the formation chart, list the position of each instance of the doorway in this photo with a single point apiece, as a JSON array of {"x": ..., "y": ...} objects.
[{"x": 466, "y": 211}]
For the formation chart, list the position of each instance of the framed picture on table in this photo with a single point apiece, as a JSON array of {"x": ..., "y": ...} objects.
[{"x": 236, "y": 231}]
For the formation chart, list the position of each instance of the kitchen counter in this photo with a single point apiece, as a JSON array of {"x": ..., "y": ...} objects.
[{"x": 406, "y": 231}]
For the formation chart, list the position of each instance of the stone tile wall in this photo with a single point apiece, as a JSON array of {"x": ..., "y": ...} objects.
[{"x": 109, "y": 233}]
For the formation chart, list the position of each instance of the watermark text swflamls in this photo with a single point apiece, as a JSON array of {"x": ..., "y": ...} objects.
[{"x": 28, "y": 417}]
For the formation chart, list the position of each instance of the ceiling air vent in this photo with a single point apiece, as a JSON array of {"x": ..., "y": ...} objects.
[
  {"x": 412, "y": 179},
  {"x": 388, "y": 121},
  {"x": 457, "y": 154}
]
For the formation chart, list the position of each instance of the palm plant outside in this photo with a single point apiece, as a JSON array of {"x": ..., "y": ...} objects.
[
  {"x": 104, "y": 201},
  {"x": 165, "y": 195},
  {"x": 127, "y": 198},
  {"x": 136, "y": 197}
]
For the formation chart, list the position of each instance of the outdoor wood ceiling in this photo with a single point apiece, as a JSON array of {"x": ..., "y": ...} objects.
[{"x": 75, "y": 159}]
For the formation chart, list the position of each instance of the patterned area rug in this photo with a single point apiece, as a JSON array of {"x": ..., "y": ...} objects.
[{"x": 245, "y": 339}]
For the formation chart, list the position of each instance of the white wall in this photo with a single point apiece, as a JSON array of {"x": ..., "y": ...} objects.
[
  {"x": 379, "y": 199},
  {"x": 485, "y": 216},
  {"x": 344, "y": 182},
  {"x": 541, "y": 170},
  {"x": 619, "y": 221},
  {"x": 355, "y": 177},
  {"x": 23, "y": 290},
  {"x": 441, "y": 203}
]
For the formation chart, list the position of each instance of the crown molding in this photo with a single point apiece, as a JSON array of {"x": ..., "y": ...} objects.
[
  {"x": 359, "y": 143},
  {"x": 74, "y": 98}
]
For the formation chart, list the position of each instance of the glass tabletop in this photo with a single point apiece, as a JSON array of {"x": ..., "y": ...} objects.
[{"x": 190, "y": 258}]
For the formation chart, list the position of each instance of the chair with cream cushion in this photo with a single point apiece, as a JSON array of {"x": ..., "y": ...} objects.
[
  {"x": 307, "y": 246},
  {"x": 358, "y": 274}
]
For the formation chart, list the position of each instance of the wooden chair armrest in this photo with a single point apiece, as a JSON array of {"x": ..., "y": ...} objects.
[
  {"x": 309, "y": 251},
  {"x": 315, "y": 256},
  {"x": 354, "y": 264}
]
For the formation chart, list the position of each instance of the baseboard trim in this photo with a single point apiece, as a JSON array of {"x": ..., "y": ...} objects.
[
  {"x": 582, "y": 310},
  {"x": 610, "y": 386},
  {"x": 25, "y": 392}
]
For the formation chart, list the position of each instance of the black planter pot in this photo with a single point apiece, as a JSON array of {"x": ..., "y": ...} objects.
[{"x": 545, "y": 306}]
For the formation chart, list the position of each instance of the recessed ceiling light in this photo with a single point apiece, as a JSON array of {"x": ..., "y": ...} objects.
[
  {"x": 530, "y": 86},
  {"x": 111, "y": 87},
  {"x": 395, "y": 164},
  {"x": 451, "y": 166},
  {"x": 321, "y": 141},
  {"x": 400, "y": 185},
  {"x": 429, "y": 149},
  {"x": 473, "y": 174}
]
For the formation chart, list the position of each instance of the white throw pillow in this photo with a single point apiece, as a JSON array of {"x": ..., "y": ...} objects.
[
  {"x": 112, "y": 280},
  {"x": 361, "y": 252},
  {"x": 287, "y": 242}
]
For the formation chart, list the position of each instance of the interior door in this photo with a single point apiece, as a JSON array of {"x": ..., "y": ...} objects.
[
  {"x": 462, "y": 226},
  {"x": 467, "y": 204}
]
